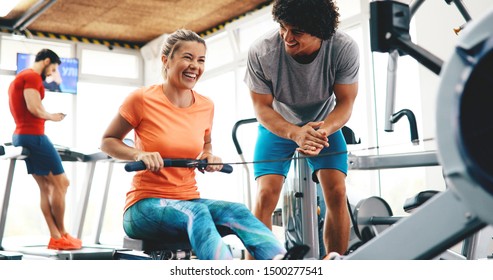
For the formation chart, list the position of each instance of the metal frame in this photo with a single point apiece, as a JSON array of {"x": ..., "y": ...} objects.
[
  {"x": 13, "y": 154},
  {"x": 466, "y": 206},
  {"x": 19, "y": 153}
]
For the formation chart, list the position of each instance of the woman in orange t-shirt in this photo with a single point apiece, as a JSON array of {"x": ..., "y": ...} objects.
[{"x": 171, "y": 120}]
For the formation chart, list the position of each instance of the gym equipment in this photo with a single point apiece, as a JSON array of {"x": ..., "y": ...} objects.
[
  {"x": 373, "y": 162},
  {"x": 303, "y": 204},
  {"x": 102, "y": 207},
  {"x": 373, "y": 215},
  {"x": 178, "y": 248},
  {"x": 299, "y": 214},
  {"x": 87, "y": 252},
  {"x": 247, "y": 192},
  {"x": 177, "y": 162},
  {"x": 300, "y": 217},
  {"x": 90, "y": 159},
  {"x": 464, "y": 152},
  {"x": 398, "y": 41},
  {"x": 13, "y": 155}
]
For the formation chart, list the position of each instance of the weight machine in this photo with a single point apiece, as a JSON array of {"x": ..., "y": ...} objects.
[{"x": 464, "y": 134}]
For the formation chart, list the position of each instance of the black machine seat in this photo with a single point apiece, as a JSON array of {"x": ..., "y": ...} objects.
[
  {"x": 2, "y": 150},
  {"x": 414, "y": 202},
  {"x": 350, "y": 136},
  {"x": 169, "y": 249},
  {"x": 149, "y": 245}
]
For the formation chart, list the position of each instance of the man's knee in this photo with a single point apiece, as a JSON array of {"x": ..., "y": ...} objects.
[
  {"x": 269, "y": 191},
  {"x": 338, "y": 190},
  {"x": 60, "y": 182},
  {"x": 270, "y": 183},
  {"x": 65, "y": 182},
  {"x": 333, "y": 183}
]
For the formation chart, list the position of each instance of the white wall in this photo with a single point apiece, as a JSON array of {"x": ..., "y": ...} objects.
[
  {"x": 151, "y": 53},
  {"x": 435, "y": 22}
]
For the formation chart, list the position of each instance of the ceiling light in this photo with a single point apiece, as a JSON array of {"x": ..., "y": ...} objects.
[{"x": 6, "y": 6}]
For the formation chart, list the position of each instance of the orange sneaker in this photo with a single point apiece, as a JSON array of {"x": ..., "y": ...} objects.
[
  {"x": 72, "y": 239},
  {"x": 62, "y": 244}
]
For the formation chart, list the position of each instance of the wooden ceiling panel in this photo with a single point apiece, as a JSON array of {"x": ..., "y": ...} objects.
[{"x": 134, "y": 21}]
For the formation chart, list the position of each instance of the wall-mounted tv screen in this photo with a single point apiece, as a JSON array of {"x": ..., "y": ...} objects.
[{"x": 63, "y": 80}]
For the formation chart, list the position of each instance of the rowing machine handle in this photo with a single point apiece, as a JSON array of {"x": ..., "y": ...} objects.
[{"x": 139, "y": 165}]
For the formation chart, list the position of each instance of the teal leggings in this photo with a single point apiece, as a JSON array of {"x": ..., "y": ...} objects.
[{"x": 159, "y": 218}]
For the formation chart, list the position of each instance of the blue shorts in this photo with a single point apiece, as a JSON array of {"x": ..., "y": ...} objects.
[
  {"x": 270, "y": 149},
  {"x": 43, "y": 157}
]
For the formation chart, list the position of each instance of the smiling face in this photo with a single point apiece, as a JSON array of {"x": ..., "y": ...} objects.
[
  {"x": 297, "y": 43},
  {"x": 186, "y": 64}
]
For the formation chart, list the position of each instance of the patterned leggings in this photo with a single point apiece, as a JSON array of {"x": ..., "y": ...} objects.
[{"x": 159, "y": 218}]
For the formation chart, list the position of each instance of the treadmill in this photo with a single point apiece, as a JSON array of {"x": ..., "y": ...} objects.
[
  {"x": 87, "y": 252},
  {"x": 12, "y": 155}
]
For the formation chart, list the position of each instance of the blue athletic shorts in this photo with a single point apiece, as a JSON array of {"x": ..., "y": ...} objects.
[
  {"x": 270, "y": 149},
  {"x": 43, "y": 157}
]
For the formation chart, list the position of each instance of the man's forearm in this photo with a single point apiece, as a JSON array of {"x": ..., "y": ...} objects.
[
  {"x": 275, "y": 123},
  {"x": 337, "y": 118}
]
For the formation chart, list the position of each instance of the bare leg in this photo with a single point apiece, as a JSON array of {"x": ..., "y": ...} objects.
[
  {"x": 52, "y": 194},
  {"x": 268, "y": 192},
  {"x": 337, "y": 224},
  {"x": 45, "y": 193},
  {"x": 60, "y": 183}
]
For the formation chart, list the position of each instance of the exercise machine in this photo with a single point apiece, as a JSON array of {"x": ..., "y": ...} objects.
[
  {"x": 464, "y": 152},
  {"x": 373, "y": 215},
  {"x": 104, "y": 199},
  {"x": 87, "y": 252},
  {"x": 176, "y": 248},
  {"x": 13, "y": 154},
  {"x": 299, "y": 214},
  {"x": 400, "y": 46},
  {"x": 303, "y": 206}
]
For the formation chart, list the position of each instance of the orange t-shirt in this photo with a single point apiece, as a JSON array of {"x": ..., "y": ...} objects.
[{"x": 173, "y": 132}]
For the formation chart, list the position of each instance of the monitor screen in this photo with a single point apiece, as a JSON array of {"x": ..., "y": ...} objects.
[{"x": 64, "y": 80}]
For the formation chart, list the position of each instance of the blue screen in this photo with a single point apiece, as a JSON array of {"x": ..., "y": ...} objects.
[{"x": 63, "y": 81}]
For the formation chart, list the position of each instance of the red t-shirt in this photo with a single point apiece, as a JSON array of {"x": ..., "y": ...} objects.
[
  {"x": 26, "y": 123},
  {"x": 173, "y": 132}
]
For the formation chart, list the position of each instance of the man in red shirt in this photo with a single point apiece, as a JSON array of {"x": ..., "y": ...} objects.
[{"x": 44, "y": 163}]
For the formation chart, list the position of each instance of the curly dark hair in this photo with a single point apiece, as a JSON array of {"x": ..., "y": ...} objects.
[{"x": 319, "y": 18}]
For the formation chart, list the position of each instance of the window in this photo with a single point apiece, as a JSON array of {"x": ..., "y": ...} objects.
[
  {"x": 219, "y": 51},
  {"x": 110, "y": 64},
  {"x": 11, "y": 45},
  {"x": 349, "y": 8},
  {"x": 250, "y": 32}
]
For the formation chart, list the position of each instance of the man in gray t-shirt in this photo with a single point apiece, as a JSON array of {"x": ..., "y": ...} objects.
[{"x": 303, "y": 80}]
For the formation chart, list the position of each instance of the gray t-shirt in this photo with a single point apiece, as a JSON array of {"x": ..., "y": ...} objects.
[{"x": 302, "y": 92}]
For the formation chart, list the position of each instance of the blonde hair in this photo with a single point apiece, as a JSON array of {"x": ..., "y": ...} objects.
[{"x": 173, "y": 41}]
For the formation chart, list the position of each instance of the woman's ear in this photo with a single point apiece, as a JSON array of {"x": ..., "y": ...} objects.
[{"x": 164, "y": 59}]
